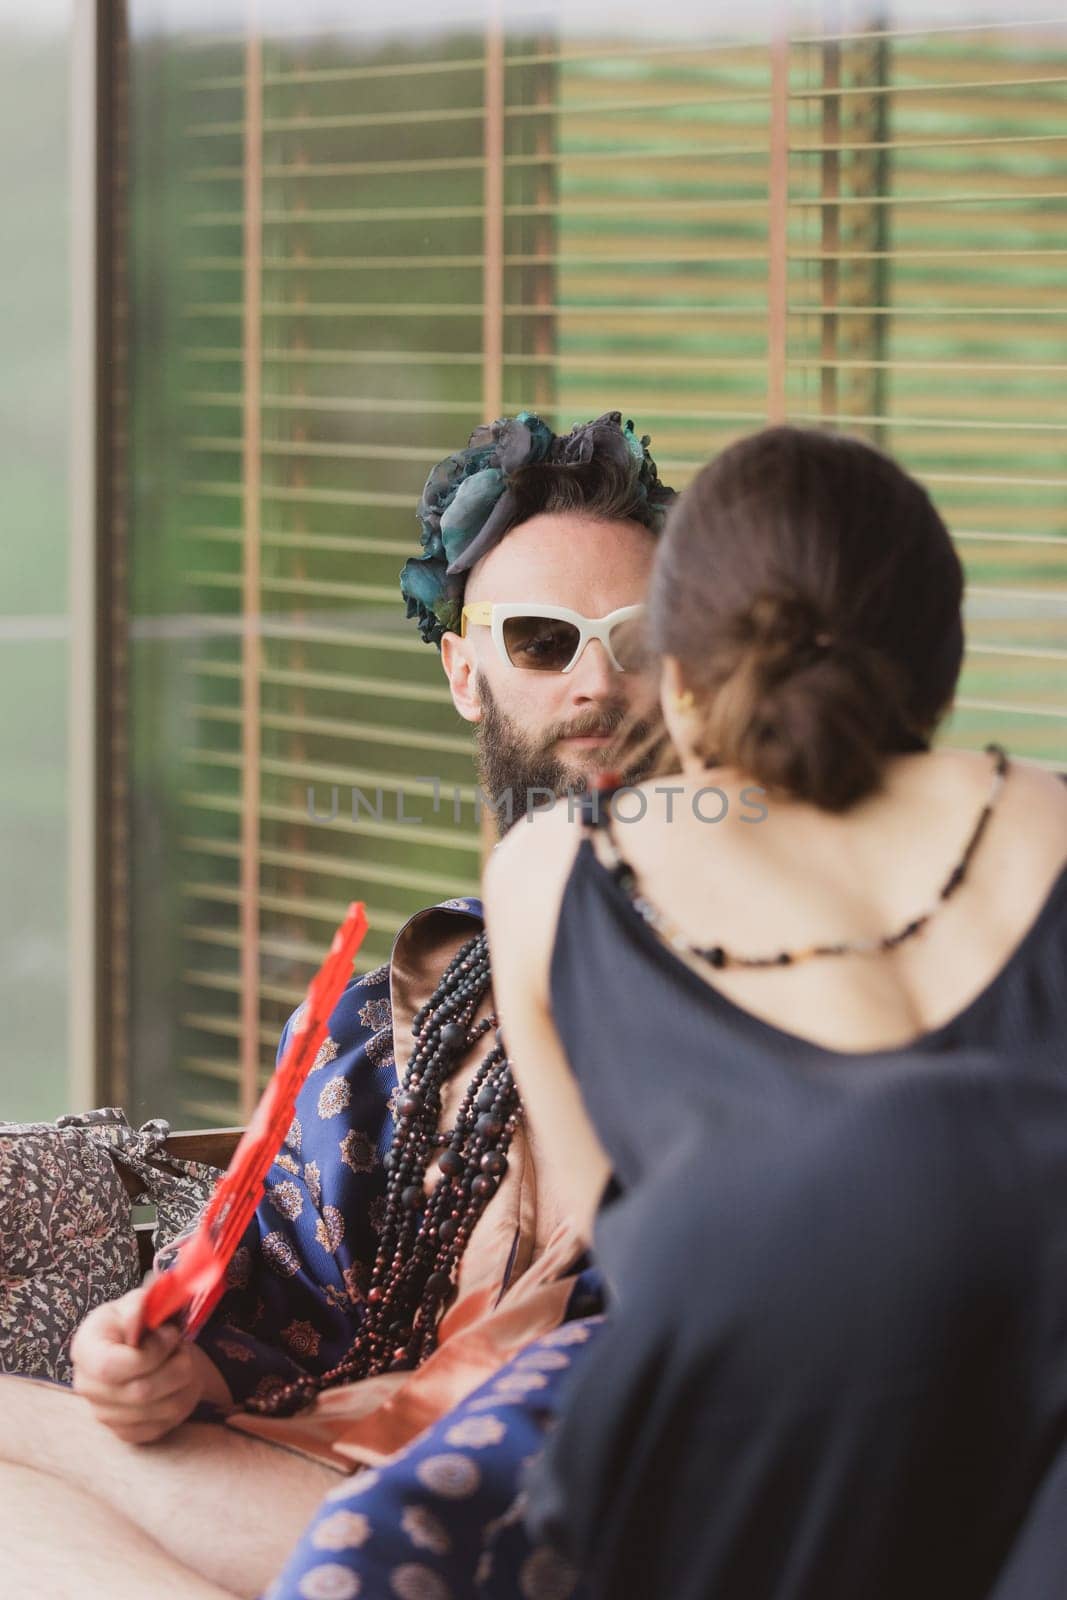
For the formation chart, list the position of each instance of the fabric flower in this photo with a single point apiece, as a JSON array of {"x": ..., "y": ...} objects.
[
  {"x": 357, "y": 1151},
  {"x": 414, "y": 1582},
  {"x": 286, "y": 1198},
  {"x": 453, "y": 1477},
  {"x": 330, "y": 1229},
  {"x": 334, "y": 1098},
  {"x": 330, "y": 1581},
  {"x": 426, "y": 1531},
  {"x": 467, "y": 505},
  {"x": 341, "y": 1530},
  {"x": 476, "y": 1432}
]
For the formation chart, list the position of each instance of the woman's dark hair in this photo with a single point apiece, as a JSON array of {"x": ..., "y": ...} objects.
[{"x": 812, "y": 596}]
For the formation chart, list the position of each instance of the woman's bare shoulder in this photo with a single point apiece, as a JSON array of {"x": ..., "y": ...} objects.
[
  {"x": 1031, "y": 810},
  {"x": 523, "y": 883},
  {"x": 530, "y": 865},
  {"x": 1038, "y": 800}
]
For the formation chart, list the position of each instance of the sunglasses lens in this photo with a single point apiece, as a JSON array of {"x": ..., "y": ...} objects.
[{"x": 543, "y": 644}]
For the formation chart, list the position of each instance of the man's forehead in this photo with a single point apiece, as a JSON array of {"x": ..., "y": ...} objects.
[{"x": 565, "y": 558}]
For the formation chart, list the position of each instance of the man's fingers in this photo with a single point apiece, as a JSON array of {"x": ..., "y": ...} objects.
[
  {"x": 115, "y": 1366},
  {"x": 138, "y": 1388},
  {"x": 153, "y": 1421}
]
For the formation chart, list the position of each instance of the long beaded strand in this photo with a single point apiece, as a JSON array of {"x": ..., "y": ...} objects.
[{"x": 423, "y": 1237}]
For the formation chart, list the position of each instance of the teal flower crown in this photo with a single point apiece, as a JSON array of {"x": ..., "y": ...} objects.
[{"x": 468, "y": 506}]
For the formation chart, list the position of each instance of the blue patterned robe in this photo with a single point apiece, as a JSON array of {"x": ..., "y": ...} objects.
[{"x": 441, "y": 1518}]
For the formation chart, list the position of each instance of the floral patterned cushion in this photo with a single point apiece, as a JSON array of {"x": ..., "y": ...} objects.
[{"x": 67, "y": 1242}]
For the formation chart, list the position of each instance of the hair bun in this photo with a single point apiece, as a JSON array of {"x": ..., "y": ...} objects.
[{"x": 785, "y": 631}]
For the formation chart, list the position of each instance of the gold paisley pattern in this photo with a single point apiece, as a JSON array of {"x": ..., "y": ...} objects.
[
  {"x": 286, "y": 1198},
  {"x": 330, "y": 1229},
  {"x": 235, "y": 1351},
  {"x": 239, "y": 1268},
  {"x": 280, "y": 1255},
  {"x": 287, "y": 1162},
  {"x": 295, "y": 1137},
  {"x": 301, "y": 1338},
  {"x": 268, "y": 1386},
  {"x": 380, "y": 1048},
  {"x": 327, "y": 1052},
  {"x": 375, "y": 1014},
  {"x": 358, "y": 1152},
  {"x": 313, "y": 1179},
  {"x": 335, "y": 1097}
]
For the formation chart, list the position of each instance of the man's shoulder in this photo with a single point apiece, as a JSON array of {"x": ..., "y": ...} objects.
[{"x": 365, "y": 1006}]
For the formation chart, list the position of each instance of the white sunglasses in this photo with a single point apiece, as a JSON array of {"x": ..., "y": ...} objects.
[{"x": 545, "y": 638}]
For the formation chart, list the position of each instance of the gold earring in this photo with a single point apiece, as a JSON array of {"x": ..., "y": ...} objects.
[{"x": 684, "y": 701}]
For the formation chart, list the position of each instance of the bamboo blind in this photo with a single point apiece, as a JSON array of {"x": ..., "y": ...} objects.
[{"x": 384, "y": 245}]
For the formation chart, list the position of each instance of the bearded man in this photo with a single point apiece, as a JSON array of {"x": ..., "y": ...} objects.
[{"x": 410, "y": 1294}]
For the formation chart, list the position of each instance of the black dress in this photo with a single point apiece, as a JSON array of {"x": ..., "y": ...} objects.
[{"x": 835, "y": 1366}]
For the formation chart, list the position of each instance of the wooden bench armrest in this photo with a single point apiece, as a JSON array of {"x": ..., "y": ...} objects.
[
  {"x": 212, "y": 1145},
  {"x": 215, "y": 1146}
]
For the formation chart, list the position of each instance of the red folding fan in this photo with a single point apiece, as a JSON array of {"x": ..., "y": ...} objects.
[{"x": 190, "y": 1288}]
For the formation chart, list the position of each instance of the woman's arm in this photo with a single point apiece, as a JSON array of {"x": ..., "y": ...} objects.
[{"x": 522, "y": 887}]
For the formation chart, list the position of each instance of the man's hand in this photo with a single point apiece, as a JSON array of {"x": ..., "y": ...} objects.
[{"x": 139, "y": 1391}]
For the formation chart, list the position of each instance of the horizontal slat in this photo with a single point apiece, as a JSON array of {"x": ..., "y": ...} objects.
[
  {"x": 310, "y": 631},
  {"x": 228, "y": 1027},
  {"x": 342, "y": 728},
  {"x": 290, "y": 447},
  {"x": 224, "y": 983},
  {"x": 984, "y": 141},
  {"x": 1017, "y": 654},
  {"x": 628, "y": 159},
  {"x": 300, "y": 541},
  {"x": 304, "y": 77},
  {"x": 288, "y": 949},
  {"x": 305, "y": 588},
  {"x": 302, "y": 906},
  {"x": 343, "y": 683},
  {"x": 980, "y": 197},
  {"x": 210, "y": 1111},
  {"x": 1003, "y": 707},
  {"x": 322, "y": 775},
  {"x": 465, "y": 842},
  {"x": 437, "y": 884},
  {"x": 356, "y": 404},
  {"x": 890, "y": 419},
  {"x": 971, "y": 34}
]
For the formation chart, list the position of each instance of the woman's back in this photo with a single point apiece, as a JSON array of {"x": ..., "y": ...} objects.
[{"x": 801, "y": 876}]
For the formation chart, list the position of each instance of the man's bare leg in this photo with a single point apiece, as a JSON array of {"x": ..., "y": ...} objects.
[
  {"x": 83, "y": 1551},
  {"x": 226, "y": 1507}
]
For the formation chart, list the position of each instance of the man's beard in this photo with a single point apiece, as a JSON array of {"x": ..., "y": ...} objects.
[{"x": 510, "y": 762}]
